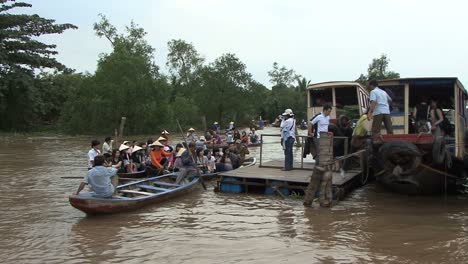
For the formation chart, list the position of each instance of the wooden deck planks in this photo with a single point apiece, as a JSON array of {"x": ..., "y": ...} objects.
[{"x": 300, "y": 176}]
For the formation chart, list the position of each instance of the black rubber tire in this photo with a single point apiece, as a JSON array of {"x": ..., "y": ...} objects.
[
  {"x": 400, "y": 153},
  {"x": 438, "y": 150}
]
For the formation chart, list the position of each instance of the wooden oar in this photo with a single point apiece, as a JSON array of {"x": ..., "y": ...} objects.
[{"x": 200, "y": 178}]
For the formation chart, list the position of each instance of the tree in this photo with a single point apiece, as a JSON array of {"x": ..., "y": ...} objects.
[
  {"x": 282, "y": 75},
  {"x": 126, "y": 83},
  {"x": 21, "y": 55},
  {"x": 183, "y": 61},
  {"x": 225, "y": 84},
  {"x": 378, "y": 70}
]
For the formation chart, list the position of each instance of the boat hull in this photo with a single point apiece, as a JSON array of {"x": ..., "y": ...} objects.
[
  {"x": 139, "y": 174},
  {"x": 89, "y": 204},
  {"x": 423, "y": 181},
  {"x": 407, "y": 164}
]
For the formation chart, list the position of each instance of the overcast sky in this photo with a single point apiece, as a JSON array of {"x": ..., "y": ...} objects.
[{"x": 321, "y": 40}]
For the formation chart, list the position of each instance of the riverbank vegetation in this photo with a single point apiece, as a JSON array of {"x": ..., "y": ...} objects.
[{"x": 36, "y": 91}]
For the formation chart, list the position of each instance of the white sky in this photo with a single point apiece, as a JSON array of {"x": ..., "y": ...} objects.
[{"x": 321, "y": 40}]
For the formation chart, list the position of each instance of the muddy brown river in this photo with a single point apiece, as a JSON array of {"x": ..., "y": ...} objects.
[{"x": 38, "y": 225}]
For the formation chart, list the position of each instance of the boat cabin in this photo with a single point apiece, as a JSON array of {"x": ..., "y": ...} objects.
[
  {"x": 346, "y": 98},
  {"x": 352, "y": 99},
  {"x": 449, "y": 94}
]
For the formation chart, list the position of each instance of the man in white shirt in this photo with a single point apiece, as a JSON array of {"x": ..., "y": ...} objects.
[
  {"x": 288, "y": 135},
  {"x": 379, "y": 109},
  {"x": 320, "y": 125},
  {"x": 93, "y": 152}
]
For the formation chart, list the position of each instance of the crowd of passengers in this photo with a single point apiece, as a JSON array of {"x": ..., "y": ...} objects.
[{"x": 210, "y": 152}]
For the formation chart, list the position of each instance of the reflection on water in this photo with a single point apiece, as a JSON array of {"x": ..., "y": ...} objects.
[{"x": 39, "y": 226}]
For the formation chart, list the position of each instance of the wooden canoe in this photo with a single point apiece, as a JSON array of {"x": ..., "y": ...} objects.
[
  {"x": 139, "y": 174},
  {"x": 134, "y": 195}
]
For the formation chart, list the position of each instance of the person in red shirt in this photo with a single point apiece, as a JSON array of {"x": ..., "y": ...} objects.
[{"x": 159, "y": 156}]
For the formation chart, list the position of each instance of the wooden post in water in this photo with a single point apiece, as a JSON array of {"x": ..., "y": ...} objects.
[
  {"x": 326, "y": 158},
  {"x": 322, "y": 175},
  {"x": 203, "y": 120}
]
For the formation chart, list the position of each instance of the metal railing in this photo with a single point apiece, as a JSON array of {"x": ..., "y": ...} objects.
[{"x": 302, "y": 142}]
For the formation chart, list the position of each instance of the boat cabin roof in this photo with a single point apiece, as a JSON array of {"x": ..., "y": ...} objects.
[
  {"x": 332, "y": 84},
  {"x": 424, "y": 81}
]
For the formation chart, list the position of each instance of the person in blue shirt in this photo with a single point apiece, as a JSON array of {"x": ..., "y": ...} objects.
[
  {"x": 379, "y": 109},
  {"x": 215, "y": 126},
  {"x": 288, "y": 136},
  {"x": 102, "y": 178}
]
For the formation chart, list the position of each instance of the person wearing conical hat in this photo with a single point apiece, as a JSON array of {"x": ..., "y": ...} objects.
[
  {"x": 215, "y": 126},
  {"x": 191, "y": 136},
  {"x": 185, "y": 162},
  {"x": 126, "y": 158},
  {"x": 165, "y": 135},
  {"x": 164, "y": 141},
  {"x": 288, "y": 136},
  {"x": 231, "y": 126},
  {"x": 159, "y": 157}
]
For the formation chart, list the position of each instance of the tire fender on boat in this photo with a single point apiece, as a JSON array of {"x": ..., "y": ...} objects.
[{"x": 400, "y": 157}]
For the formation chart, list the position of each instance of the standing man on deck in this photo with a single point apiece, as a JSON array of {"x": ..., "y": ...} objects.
[
  {"x": 288, "y": 136},
  {"x": 320, "y": 124},
  {"x": 379, "y": 109}
]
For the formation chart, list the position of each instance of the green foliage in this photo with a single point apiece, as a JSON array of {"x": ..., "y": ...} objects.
[
  {"x": 184, "y": 62},
  {"x": 23, "y": 102},
  {"x": 126, "y": 83},
  {"x": 378, "y": 70},
  {"x": 282, "y": 75}
]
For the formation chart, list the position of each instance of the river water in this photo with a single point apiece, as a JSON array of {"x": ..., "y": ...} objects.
[{"x": 38, "y": 225}]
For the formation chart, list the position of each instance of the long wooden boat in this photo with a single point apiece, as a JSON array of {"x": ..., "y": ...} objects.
[
  {"x": 407, "y": 161},
  {"x": 139, "y": 174},
  {"x": 415, "y": 163},
  {"x": 134, "y": 195}
]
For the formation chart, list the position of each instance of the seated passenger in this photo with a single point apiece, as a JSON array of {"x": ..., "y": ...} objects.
[
  {"x": 244, "y": 138},
  {"x": 102, "y": 178},
  {"x": 191, "y": 136},
  {"x": 117, "y": 160},
  {"x": 253, "y": 136},
  {"x": 159, "y": 157},
  {"x": 421, "y": 116},
  {"x": 209, "y": 161},
  {"x": 200, "y": 144}
]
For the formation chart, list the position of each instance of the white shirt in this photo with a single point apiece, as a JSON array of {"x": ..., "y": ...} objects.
[
  {"x": 91, "y": 154},
  {"x": 106, "y": 148},
  {"x": 322, "y": 122},
  {"x": 287, "y": 128},
  {"x": 381, "y": 98}
]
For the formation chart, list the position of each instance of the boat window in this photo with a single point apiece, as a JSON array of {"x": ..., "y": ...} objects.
[
  {"x": 347, "y": 102},
  {"x": 443, "y": 93},
  {"x": 320, "y": 96},
  {"x": 397, "y": 93}
]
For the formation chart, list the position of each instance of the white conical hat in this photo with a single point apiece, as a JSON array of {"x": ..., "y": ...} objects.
[
  {"x": 288, "y": 112},
  {"x": 162, "y": 138},
  {"x": 136, "y": 148},
  {"x": 157, "y": 143},
  {"x": 123, "y": 147},
  {"x": 180, "y": 152},
  {"x": 191, "y": 129}
]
